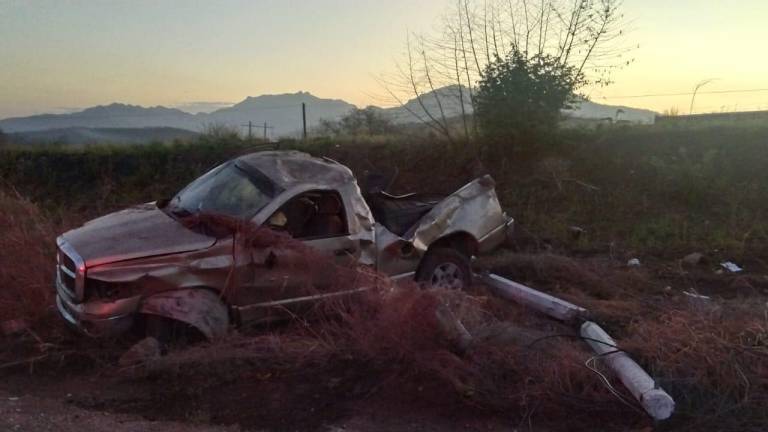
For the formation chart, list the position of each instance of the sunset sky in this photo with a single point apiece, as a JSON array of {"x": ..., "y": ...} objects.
[{"x": 62, "y": 55}]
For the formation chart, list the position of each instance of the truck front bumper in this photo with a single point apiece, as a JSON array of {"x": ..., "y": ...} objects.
[{"x": 96, "y": 318}]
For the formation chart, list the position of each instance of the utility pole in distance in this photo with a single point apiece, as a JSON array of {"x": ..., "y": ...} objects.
[
  {"x": 251, "y": 126},
  {"x": 250, "y": 129},
  {"x": 304, "y": 118},
  {"x": 265, "y": 131}
]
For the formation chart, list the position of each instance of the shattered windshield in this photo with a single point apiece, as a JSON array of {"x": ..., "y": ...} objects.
[{"x": 228, "y": 189}]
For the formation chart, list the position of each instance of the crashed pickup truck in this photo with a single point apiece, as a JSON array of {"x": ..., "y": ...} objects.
[{"x": 143, "y": 264}]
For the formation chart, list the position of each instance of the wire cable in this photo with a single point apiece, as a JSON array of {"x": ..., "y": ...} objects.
[
  {"x": 755, "y": 90},
  {"x": 591, "y": 365}
]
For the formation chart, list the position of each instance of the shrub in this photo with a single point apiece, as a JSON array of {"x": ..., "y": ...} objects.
[{"x": 520, "y": 97}]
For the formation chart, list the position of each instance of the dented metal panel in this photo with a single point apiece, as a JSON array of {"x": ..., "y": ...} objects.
[
  {"x": 298, "y": 172},
  {"x": 136, "y": 232},
  {"x": 143, "y": 260},
  {"x": 204, "y": 268},
  {"x": 395, "y": 254},
  {"x": 474, "y": 209},
  {"x": 200, "y": 308},
  {"x": 288, "y": 169}
]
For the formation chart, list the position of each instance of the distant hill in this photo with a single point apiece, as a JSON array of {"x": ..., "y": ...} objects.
[
  {"x": 443, "y": 101},
  {"x": 281, "y": 112},
  {"x": 85, "y": 136},
  {"x": 585, "y": 109},
  {"x": 109, "y": 116},
  {"x": 451, "y": 97}
]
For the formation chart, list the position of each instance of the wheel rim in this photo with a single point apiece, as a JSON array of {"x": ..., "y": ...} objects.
[{"x": 447, "y": 276}]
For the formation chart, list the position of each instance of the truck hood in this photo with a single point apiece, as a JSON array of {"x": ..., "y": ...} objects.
[{"x": 136, "y": 232}]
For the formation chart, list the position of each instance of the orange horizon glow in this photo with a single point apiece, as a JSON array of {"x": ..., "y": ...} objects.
[{"x": 63, "y": 56}]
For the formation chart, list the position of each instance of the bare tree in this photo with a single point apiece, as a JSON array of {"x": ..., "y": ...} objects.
[{"x": 440, "y": 70}]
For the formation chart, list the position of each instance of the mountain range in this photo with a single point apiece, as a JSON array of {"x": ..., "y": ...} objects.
[{"x": 282, "y": 114}]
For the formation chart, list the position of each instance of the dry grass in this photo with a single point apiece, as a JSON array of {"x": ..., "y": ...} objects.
[
  {"x": 713, "y": 360},
  {"x": 712, "y": 356},
  {"x": 27, "y": 259}
]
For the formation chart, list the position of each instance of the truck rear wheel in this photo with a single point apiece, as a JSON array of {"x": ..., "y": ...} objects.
[{"x": 445, "y": 268}]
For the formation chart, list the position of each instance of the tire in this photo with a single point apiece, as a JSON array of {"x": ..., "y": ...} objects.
[
  {"x": 169, "y": 332},
  {"x": 445, "y": 268}
]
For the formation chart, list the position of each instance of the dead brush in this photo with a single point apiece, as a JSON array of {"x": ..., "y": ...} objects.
[
  {"x": 228, "y": 357},
  {"x": 713, "y": 360},
  {"x": 27, "y": 259},
  {"x": 395, "y": 330},
  {"x": 546, "y": 268}
]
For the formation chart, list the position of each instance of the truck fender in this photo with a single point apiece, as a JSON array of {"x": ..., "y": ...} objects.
[{"x": 200, "y": 308}]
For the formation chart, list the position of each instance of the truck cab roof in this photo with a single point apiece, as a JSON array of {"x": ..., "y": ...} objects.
[{"x": 288, "y": 169}]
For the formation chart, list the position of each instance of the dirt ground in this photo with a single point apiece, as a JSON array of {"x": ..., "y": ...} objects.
[
  {"x": 248, "y": 383},
  {"x": 339, "y": 397}
]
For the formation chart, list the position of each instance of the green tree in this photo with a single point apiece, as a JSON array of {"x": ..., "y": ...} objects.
[
  {"x": 3, "y": 138},
  {"x": 520, "y": 97}
]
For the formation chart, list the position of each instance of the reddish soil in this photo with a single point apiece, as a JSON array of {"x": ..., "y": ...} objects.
[{"x": 338, "y": 396}]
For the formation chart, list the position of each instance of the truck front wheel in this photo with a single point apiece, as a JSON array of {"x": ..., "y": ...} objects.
[
  {"x": 445, "y": 268},
  {"x": 170, "y": 332}
]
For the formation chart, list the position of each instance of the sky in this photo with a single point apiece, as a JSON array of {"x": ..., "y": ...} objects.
[{"x": 63, "y": 55}]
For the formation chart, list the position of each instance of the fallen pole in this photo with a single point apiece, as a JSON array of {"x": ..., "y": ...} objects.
[
  {"x": 656, "y": 402},
  {"x": 545, "y": 303}
]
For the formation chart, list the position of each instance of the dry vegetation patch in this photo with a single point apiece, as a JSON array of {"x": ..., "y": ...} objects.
[{"x": 27, "y": 259}]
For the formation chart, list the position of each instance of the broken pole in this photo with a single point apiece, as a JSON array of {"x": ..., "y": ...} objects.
[
  {"x": 545, "y": 303},
  {"x": 656, "y": 402},
  {"x": 452, "y": 328}
]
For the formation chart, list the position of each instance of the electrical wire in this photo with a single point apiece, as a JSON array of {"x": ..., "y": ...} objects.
[
  {"x": 607, "y": 382},
  {"x": 591, "y": 365},
  {"x": 755, "y": 90},
  {"x": 573, "y": 336}
]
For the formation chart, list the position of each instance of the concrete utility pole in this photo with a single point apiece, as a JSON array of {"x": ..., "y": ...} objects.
[
  {"x": 304, "y": 118},
  {"x": 266, "y": 127},
  {"x": 250, "y": 130}
]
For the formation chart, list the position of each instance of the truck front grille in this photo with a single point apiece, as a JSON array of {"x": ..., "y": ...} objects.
[{"x": 68, "y": 266}]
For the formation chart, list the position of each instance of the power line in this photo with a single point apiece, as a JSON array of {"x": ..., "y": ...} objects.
[
  {"x": 251, "y": 125},
  {"x": 686, "y": 93}
]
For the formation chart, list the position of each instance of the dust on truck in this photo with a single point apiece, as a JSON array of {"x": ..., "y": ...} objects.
[{"x": 145, "y": 264}]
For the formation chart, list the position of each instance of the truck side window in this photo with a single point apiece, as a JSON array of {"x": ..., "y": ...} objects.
[{"x": 316, "y": 214}]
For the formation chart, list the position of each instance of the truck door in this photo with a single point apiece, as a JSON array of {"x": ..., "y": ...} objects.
[{"x": 290, "y": 276}]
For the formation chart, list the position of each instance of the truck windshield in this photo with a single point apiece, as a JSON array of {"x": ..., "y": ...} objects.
[{"x": 227, "y": 189}]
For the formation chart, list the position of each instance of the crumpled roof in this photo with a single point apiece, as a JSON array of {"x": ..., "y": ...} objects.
[{"x": 291, "y": 168}]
